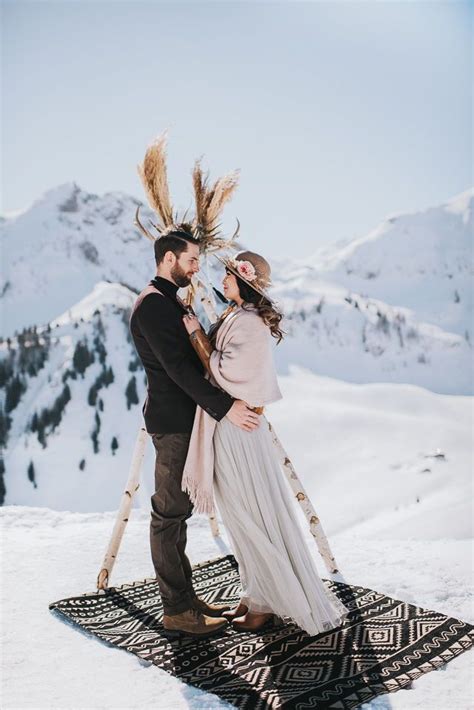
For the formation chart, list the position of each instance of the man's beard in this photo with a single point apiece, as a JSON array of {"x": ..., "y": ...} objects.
[{"x": 179, "y": 276}]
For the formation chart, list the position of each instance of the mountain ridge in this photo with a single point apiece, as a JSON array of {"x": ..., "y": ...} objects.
[{"x": 72, "y": 380}]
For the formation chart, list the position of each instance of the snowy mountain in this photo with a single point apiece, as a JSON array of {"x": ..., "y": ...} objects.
[
  {"x": 71, "y": 425},
  {"x": 57, "y": 250},
  {"x": 393, "y": 305},
  {"x": 421, "y": 261},
  {"x": 74, "y": 386},
  {"x": 347, "y": 336},
  {"x": 375, "y": 449}
]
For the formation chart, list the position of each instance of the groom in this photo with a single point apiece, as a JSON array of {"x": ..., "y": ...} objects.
[{"x": 176, "y": 383}]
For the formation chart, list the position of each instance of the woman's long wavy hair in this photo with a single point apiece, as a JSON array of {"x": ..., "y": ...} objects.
[{"x": 265, "y": 309}]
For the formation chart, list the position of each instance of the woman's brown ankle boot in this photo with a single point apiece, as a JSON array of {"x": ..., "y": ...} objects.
[
  {"x": 235, "y": 613},
  {"x": 252, "y": 621}
]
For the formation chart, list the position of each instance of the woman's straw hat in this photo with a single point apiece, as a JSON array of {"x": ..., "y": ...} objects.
[{"x": 251, "y": 268}]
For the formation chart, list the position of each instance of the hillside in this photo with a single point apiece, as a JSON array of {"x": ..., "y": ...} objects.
[{"x": 394, "y": 305}]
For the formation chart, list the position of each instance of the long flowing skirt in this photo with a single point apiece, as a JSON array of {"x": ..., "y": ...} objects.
[{"x": 277, "y": 570}]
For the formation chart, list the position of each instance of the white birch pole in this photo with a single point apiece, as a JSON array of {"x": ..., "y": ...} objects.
[
  {"x": 133, "y": 484},
  {"x": 302, "y": 497},
  {"x": 201, "y": 293}
]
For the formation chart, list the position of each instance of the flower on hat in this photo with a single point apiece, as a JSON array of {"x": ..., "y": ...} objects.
[{"x": 245, "y": 269}]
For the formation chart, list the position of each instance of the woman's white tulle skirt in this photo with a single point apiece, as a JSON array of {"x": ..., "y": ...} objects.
[{"x": 277, "y": 570}]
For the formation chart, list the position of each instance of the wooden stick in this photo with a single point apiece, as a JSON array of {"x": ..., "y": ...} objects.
[
  {"x": 200, "y": 291},
  {"x": 302, "y": 497},
  {"x": 214, "y": 525},
  {"x": 133, "y": 484}
]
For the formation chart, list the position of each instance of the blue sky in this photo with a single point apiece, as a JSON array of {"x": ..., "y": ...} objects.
[{"x": 337, "y": 113}]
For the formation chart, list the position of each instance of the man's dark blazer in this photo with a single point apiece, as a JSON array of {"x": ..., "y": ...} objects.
[{"x": 175, "y": 374}]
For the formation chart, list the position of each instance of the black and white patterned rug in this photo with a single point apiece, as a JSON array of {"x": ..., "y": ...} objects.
[{"x": 383, "y": 645}]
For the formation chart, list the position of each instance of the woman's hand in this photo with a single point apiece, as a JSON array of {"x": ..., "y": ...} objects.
[{"x": 191, "y": 323}]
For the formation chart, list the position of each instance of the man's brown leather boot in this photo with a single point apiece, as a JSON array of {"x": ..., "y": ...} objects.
[
  {"x": 208, "y": 608},
  {"x": 192, "y": 623}
]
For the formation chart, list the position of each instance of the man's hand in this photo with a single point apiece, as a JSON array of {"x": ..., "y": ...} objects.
[{"x": 242, "y": 416}]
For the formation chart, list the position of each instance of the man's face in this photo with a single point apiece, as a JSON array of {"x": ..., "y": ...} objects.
[{"x": 185, "y": 266}]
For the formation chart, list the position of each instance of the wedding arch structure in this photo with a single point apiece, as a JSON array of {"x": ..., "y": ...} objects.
[{"x": 205, "y": 227}]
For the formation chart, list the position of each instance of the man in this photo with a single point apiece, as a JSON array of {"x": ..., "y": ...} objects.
[{"x": 176, "y": 383}]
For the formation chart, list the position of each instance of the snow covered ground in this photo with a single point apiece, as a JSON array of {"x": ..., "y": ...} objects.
[{"x": 397, "y": 512}]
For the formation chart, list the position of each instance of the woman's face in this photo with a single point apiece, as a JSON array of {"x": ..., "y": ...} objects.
[{"x": 231, "y": 288}]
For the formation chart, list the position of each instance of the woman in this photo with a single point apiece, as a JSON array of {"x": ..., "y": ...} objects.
[{"x": 241, "y": 468}]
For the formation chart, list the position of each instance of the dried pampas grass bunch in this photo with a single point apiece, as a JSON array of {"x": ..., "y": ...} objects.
[
  {"x": 209, "y": 201},
  {"x": 154, "y": 177}
]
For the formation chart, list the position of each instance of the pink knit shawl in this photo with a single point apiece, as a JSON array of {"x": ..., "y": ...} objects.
[{"x": 242, "y": 365}]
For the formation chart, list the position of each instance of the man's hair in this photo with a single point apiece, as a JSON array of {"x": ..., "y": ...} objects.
[{"x": 176, "y": 241}]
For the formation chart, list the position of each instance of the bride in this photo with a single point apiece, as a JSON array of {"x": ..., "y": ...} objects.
[{"x": 240, "y": 469}]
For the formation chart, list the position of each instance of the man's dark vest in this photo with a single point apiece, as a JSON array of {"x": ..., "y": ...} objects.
[{"x": 175, "y": 374}]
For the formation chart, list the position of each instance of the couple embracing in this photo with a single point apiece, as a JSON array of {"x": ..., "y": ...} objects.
[{"x": 204, "y": 413}]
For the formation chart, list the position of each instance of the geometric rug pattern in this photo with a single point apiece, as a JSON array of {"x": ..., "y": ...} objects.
[{"x": 383, "y": 645}]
